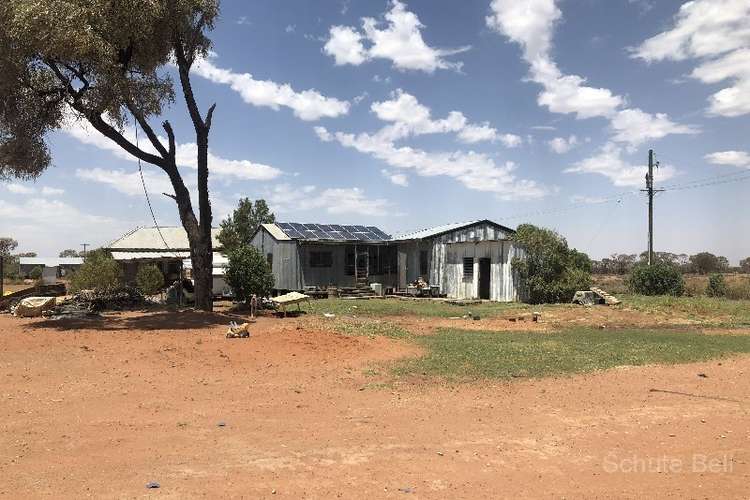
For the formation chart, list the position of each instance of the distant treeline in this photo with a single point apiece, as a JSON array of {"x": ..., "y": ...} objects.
[{"x": 700, "y": 263}]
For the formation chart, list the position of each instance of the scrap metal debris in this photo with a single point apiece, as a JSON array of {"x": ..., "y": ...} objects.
[{"x": 238, "y": 331}]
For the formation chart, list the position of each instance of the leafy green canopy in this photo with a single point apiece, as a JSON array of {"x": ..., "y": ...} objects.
[
  {"x": 98, "y": 271},
  {"x": 149, "y": 279},
  {"x": 92, "y": 59},
  {"x": 660, "y": 278},
  {"x": 238, "y": 228},
  {"x": 550, "y": 271},
  {"x": 248, "y": 273}
]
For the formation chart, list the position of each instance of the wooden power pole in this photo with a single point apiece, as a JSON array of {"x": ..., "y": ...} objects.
[{"x": 651, "y": 192}]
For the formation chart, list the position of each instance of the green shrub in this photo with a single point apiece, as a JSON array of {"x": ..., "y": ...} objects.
[
  {"x": 36, "y": 273},
  {"x": 248, "y": 273},
  {"x": 99, "y": 270},
  {"x": 660, "y": 278},
  {"x": 149, "y": 279},
  {"x": 550, "y": 271},
  {"x": 717, "y": 287}
]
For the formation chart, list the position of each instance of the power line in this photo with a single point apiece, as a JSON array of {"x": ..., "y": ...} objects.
[{"x": 148, "y": 198}]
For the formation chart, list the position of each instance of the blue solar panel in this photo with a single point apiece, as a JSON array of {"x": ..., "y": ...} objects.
[
  {"x": 293, "y": 234},
  {"x": 332, "y": 232}
]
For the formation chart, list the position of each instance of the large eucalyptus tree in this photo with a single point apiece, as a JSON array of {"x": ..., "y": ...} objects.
[{"x": 106, "y": 62}]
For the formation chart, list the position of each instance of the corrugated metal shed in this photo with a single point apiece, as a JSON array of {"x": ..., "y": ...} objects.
[
  {"x": 148, "y": 238},
  {"x": 483, "y": 229}
]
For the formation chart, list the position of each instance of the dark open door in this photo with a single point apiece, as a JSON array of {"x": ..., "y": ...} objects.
[{"x": 484, "y": 279}]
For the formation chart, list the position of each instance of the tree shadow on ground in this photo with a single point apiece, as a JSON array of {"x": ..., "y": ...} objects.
[{"x": 142, "y": 321}]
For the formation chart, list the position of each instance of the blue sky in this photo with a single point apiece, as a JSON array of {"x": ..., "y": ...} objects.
[{"x": 407, "y": 114}]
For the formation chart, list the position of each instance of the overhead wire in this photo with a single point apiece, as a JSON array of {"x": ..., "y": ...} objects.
[{"x": 148, "y": 198}]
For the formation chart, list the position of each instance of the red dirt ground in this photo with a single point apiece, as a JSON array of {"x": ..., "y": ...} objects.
[{"x": 99, "y": 409}]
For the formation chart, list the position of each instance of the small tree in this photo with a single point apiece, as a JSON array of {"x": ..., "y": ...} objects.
[
  {"x": 68, "y": 253},
  {"x": 550, "y": 271},
  {"x": 706, "y": 262},
  {"x": 238, "y": 228},
  {"x": 36, "y": 273},
  {"x": 99, "y": 270},
  {"x": 717, "y": 287},
  {"x": 660, "y": 278},
  {"x": 149, "y": 279},
  {"x": 7, "y": 245},
  {"x": 248, "y": 273}
]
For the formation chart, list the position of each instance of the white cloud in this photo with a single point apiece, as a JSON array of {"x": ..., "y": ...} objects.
[
  {"x": 308, "y": 105},
  {"x": 128, "y": 183},
  {"x": 186, "y": 154},
  {"x": 610, "y": 163},
  {"x": 285, "y": 198},
  {"x": 397, "y": 39},
  {"x": 17, "y": 188},
  {"x": 578, "y": 198},
  {"x": 47, "y": 226},
  {"x": 561, "y": 145},
  {"x": 716, "y": 33},
  {"x": 396, "y": 178},
  {"x": 732, "y": 158},
  {"x": 635, "y": 127},
  {"x": 50, "y": 191},
  {"x": 345, "y": 46},
  {"x": 531, "y": 24},
  {"x": 474, "y": 170},
  {"x": 408, "y": 117}
]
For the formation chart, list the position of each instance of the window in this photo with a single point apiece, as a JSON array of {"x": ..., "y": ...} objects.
[
  {"x": 269, "y": 259},
  {"x": 423, "y": 263},
  {"x": 468, "y": 268},
  {"x": 321, "y": 259}
]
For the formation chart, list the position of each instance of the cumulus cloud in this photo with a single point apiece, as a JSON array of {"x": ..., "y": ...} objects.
[
  {"x": 396, "y": 178},
  {"x": 476, "y": 171},
  {"x": 128, "y": 183},
  {"x": 561, "y": 145},
  {"x": 406, "y": 117},
  {"x": 18, "y": 188},
  {"x": 716, "y": 34},
  {"x": 531, "y": 25},
  {"x": 47, "y": 225},
  {"x": 285, "y": 198},
  {"x": 308, "y": 105},
  {"x": 610, "y": 163},
  {"x": 731, "y": 158},
  {"x": 635, "y": 127},
  {"x": 397, "y": 39}
]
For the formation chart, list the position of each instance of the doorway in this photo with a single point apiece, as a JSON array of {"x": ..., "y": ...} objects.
[{"x": 484, "y": 279}]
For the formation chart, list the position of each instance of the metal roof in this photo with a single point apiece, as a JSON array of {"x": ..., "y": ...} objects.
[
  {"x": 148, "y": 239},
  {"x": 161, "y": 254},
  {"x": 446, "y": 228},
  {"x": 51, "y": 261},
  {"x": 326, "y": 232}
]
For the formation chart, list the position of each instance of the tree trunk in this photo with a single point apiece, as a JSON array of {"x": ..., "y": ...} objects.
[{"x": 201, "y": 255}]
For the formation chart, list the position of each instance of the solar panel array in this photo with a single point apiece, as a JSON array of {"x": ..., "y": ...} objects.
[{"x": 332, "y": 232}]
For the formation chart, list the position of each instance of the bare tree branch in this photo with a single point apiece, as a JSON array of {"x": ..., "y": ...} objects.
[
  {"x": 209, "y": 116},
  {"x": 148, "y": 130},
  {"x": 170, "y": 134}
]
